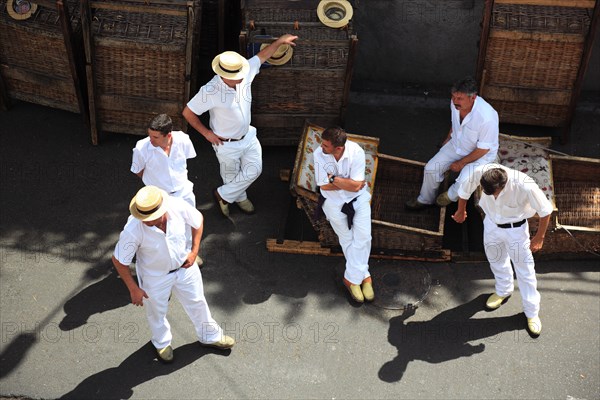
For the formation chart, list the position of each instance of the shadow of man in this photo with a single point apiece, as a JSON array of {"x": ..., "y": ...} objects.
[
  {"x": 105, "y": 295},
  {"x": 446, "y": 337},
  {"x": 139, "y": 367}
]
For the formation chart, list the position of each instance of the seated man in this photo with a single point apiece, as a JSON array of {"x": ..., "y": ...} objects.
[
  {"x": 340, "y": 174},
  {"x": 472, "y": 141}
]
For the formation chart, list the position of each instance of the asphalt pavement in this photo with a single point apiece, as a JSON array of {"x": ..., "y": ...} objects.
[{"x": 68, "y": 329}]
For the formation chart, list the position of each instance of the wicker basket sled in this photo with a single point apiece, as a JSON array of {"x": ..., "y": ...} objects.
[
  {"x": 139, "y": 59},
  {"x": 572, "y": 184},
  {"x": 533, "y": 56},
  {"x": 41, "y": 57},
  {"x": 396, "y": 233}
]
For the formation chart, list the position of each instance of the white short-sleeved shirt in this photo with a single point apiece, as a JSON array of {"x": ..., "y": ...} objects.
[
  {"x": 479, "y": 129},
  {"x": 521, "y": 198},
  {"x": 168, "y": 172},
  {"x": 157, "y": 252},
  {"x": 229, "y": 108},
  {"x": 350, "y": 165}
]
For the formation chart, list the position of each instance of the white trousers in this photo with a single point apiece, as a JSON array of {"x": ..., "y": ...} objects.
[
  {"x": 437, "y": 167},
  {"x": 240, "y": 165},
  {"x": 355, "y": 242},
  {"x": 187, "y": 194},
  {"x": 186, "y": 285},
  {"x": 503, "y": 245}
]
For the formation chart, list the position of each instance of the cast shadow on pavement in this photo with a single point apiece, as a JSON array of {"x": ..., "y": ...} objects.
[
  {"x": 104, "y": 295},
  {"x": 139, "y": 367},
  {"x": 445, "y": 337}
]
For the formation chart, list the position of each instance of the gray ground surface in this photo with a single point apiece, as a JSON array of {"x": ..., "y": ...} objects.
[{"x": 68, "y": 330}]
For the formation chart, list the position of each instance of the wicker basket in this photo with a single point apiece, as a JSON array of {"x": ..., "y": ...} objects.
[
  {"x": 392, "y": 181},
  {"x": 35, "y": 60},
  {"x": 313, "y": 85},
  {"x": 141, "y": 61},
  {"x": 533, "y": 57}
]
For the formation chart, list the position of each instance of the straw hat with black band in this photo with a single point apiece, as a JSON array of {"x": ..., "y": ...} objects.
[
  {"x": 335, "y": 13},
  {"x": 149, "y": 204},
  {"x": 230, "y": 65},
  {"x": 282, "y": 55}
]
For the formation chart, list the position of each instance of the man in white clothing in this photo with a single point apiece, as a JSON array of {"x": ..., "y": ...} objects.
[
  {"x": 471, "y": 141},
  {"x": 228, "y": 98},
  {"x": 161, "y": 159},
  {"x": 155, "y": 233},
  {"x": 340, "y": 174},
  {"x": 509, "y": 198}
]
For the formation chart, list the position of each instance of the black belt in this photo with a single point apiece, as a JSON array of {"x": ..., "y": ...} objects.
[
  {"x": 511, "y": 224},
  {"x": 232, "y": 140},
  {"x": 173, "y": 270}
]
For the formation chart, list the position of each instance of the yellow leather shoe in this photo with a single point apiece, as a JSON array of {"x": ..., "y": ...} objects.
[
  {"x": 225, "y": 343},
  {"x": 246, "y": 206},
  {"x": 443, "y": 200},
  {"x": 223, "y": 205},
  {"x": 534, "y": 326},
  {"x": 355, "y": 291},
  {"x": 367, "y": 289},
  {"x": 494, "y": 301},
  {"x": 165, "y": 354}
]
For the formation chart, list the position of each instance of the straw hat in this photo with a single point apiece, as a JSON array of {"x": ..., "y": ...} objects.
[
  {"x": 335, "y": 13},
  {"x": 20, "y": 9},
  {"x": 149, "y": 203},
  {"x": 230, "y": 65},
  {"x": 282, "y": 55}
]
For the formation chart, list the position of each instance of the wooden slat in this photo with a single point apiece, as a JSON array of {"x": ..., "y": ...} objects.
[
  {"x": 61, "y": 83},
  {"x": 536, "y": 36},
  {"x": 88, "y": 44},
  {"x": 552, "y": 3},
  {"x": 298, "y": 247},
  {"x": 314, "y": 248},
  {"x": 74, "y": 59},
  {"x": 407, "y": 228},
  {"x": 135, "y": 104},
  {"x": 142, "y": 8},
  {"x": 585, "y": 59},
  {"x": 403, "y": 160},
  {"x": 527, "y": 95}
]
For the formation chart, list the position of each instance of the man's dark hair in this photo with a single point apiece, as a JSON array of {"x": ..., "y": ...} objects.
[
  {"x": 335, "y": 135},
  {"x": 466, "y": 85},
  {"x": 493, "y": 179},
  {"x": 161, "y": 123}
]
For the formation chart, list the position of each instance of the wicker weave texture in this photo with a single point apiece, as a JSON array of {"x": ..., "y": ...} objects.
[
  {"x": 397, "y": 183},
  {"x": 577, "y": 192},
  {"x": 530, "y": 113},
  {"x": 298, "y": 92},
  {"x": 132, "y": 122},
  {"x": 309, "y": 55},
  {"x": 529, "y": 63},
  {"x": 534, "y": 18},
  {"x": 139, "y": 60},
  {"x": 134, "y": 72},
  {"x": 150, "y": 27}
]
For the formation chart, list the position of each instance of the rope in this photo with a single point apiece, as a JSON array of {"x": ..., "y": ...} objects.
[
  {"x": 536, "y": 146},
  {"x": 579, "y": 243}
]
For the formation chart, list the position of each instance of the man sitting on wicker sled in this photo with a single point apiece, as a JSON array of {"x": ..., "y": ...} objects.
[{"x": 345, "y": 201}]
